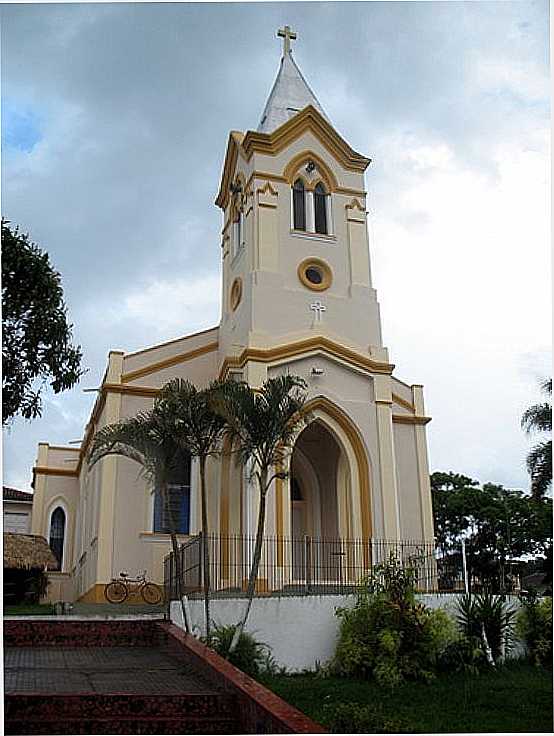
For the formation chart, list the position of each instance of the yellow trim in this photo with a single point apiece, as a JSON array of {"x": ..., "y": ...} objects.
[
  {"x": 45, "y": 470},
  {"x": 272, "y": 143},
  {"x": 95, "y": 594},
  {"x": 308, "y": 119},
  {"x": 318, "y": 264},
  {"x": 402, "y": 402},
  {"x": 234, "y": 143},
  {"x": 279, "y": 522},
  {"x": 290, "y": 172},
  {"x": 224, "y": 504},
  {"x": 290, "y": 350},
  {"x": 168, "y": 362},
  {"x": 407, "y": 419},
  {"x": 118, "y": 388},
  {"x": 235, "y": 294},
  {"x": 170, "y": 342}
]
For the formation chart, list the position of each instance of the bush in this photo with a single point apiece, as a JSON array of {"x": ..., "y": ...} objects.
[
  {"x": 534, "y": 625},
  {"x": 387, "y": 635},
  {"x": 354, "y": 718},
  {"x": 488, "y": 619},
  {"x": 250, "y": 656}
]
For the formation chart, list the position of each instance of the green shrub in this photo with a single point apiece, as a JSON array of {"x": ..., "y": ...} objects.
[
  {"x": 354, "y": 718},
  {"x": 488, "y": 619},
  {"x": 387, "y": 635},
  {"x": 464, "y": 654},
  {"x": 250, "y": 656},
  {"x": 534, "y": 625}
]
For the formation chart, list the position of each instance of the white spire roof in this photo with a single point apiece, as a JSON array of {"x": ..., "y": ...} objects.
[{"x": 290, "y": 94}]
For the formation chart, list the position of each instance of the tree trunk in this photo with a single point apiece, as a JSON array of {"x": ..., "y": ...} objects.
[
  {"x": 176, "y": 555},
  {"x": 205, "y": 548},
  {"x": 255, "y": 563}
]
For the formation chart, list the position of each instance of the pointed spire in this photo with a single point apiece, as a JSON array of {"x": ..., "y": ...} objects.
[{"x": 290, "y": 92}]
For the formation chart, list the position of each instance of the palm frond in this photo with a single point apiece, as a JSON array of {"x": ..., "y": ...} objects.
[
  {"x": 539, "y": 465},
  {"x": 537, "y": 418}
]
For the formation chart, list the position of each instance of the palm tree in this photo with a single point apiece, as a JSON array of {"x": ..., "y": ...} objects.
[
  {"x": 198, "y": 429},
  {"x": 149, "y": 439},
  {"x": 538, "y": 418},
  {"x": 261, "y": 426}
]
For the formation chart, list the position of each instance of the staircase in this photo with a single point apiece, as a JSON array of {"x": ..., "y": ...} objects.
[
  {"x": 121, "y": 713},
  {"x": 130, "y": 676},
  {"x": 98, "y": 678}
]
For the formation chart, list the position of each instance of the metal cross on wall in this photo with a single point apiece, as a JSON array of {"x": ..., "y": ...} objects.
[
  {"x": 318, "y": 308},
  {"x": 288, "y": 36}
]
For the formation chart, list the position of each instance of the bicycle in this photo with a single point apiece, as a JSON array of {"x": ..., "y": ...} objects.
[{"x": 119, "y": 590}]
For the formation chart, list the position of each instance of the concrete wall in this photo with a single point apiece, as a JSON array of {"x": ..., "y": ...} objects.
[{"x": 302, "y": 631}]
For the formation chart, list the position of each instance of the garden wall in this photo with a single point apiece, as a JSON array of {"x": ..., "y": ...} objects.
[{"x": 302, "y": 631}]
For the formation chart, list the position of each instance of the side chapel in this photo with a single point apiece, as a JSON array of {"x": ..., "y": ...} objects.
[{"x": 297, "y": 297}]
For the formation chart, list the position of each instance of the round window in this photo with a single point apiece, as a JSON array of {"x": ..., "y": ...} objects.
[
  {"x": 236, "y": 293},
  {"x": 315, "y": 274}
]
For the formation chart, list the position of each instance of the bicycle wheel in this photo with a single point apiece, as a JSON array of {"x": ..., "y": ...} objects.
[
  {"x": 151, "y": 593},
  {"x": 115, "y": 592}
]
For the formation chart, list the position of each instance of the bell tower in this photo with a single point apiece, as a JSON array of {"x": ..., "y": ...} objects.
[{"x": 295, "y": 246}]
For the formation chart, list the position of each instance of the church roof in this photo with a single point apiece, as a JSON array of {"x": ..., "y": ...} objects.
[{"x": 289, "y": 95}]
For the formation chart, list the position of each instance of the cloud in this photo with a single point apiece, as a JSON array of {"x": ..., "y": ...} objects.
[{"x": 134, "y": 104}]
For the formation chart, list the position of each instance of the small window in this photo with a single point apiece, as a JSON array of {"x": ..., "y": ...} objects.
[
  {"x": 57, "y": 534},
  {"x": 299, "y": 205},
  {"x": 320, "y": 209},
  {"x": 174, "y": 515}
]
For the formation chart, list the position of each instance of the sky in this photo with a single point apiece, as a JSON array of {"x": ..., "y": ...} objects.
[{"x": 115, "y": 119}]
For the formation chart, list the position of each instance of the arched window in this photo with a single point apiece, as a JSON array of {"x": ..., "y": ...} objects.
[
  {"x": 299, "y": 205},
  {"x": 175, "y": 514},
  {"x": 57, "y": 534},
  {"x": 320, "y": 209}
]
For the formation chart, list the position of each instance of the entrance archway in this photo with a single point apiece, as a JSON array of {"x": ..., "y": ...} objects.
[{"x": 317, "y": 470}]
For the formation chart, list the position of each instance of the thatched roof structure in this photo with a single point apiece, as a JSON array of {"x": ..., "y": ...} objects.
[{"x": 27, "y": 551}]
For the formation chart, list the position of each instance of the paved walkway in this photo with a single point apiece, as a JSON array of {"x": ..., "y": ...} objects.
[{"x": 141, "y": 670}]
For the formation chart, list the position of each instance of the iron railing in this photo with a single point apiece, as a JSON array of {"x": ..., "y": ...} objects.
[{"x": 288, "y": 566}]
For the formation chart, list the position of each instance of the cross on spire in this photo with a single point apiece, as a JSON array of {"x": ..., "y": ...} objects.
[{"x": 287, "y": 35}]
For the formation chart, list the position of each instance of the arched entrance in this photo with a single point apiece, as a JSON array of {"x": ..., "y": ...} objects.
[{"x": 317, "y": 484}]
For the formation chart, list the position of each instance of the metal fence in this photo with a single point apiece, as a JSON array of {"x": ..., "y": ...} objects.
[{"x": 304, "y": 566}]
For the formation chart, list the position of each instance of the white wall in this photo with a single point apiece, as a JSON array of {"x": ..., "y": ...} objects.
[{"x": 301, "y": 630}]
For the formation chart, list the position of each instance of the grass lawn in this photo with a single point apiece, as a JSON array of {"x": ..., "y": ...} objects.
[
  {"x": 29, "y": 609},
  {"x": 516, "y": 698}
]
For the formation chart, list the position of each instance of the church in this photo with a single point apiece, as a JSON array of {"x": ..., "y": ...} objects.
[{"x": 296, "y": 297}]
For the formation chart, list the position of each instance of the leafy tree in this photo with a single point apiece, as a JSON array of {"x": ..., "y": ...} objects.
[
  {"x": 198, "y": 429},
  {"x": 538, "y": 418},
  {"x": 261, "y": 426},
  {"x": 498, "y": 524},
  {"x": 35, "y": 332},
  {"x": 149, "y": 439}
]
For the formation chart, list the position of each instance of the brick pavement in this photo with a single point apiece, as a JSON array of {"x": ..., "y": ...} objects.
[{"x": 141, "y": 670}]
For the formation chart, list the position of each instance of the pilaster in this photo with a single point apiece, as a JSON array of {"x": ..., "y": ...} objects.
[
  {"x": 424, "y": 482},
  {"x": 108, "y": 478},
  {"x": 37, "y": 520},
  {"x": 387, "y": 463}
]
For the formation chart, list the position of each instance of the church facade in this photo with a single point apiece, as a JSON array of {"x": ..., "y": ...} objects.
[{"x": 297, "y": 297}]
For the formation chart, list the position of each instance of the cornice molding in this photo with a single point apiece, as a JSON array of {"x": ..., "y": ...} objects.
[
  {"x": 407, "y": 419},
  {"x": 168, "y": 362},
  {"x": 269, "y": 355},
  {"x": 271, "y": 144},
  {"x": 47, "y": 470}
]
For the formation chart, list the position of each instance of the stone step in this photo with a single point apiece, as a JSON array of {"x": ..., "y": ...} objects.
[
  {"x": 85, "y": 706},
  {"x": 191, "y": 725}
]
